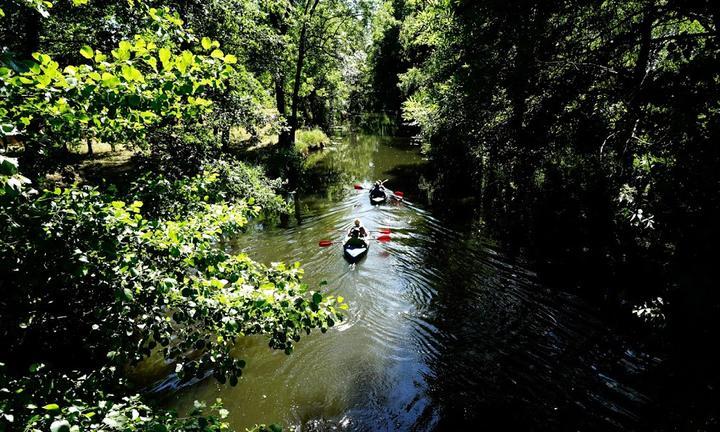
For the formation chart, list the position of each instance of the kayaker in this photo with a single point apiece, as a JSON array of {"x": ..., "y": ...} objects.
[
  {"x": 355, "y": 241},
  {"x": 378, "y": 189},
  {"x": 357, "y": 230}
]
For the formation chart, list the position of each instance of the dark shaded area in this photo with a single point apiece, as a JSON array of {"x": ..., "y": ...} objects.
[
  {"x": 516, "y": 351},
  {"x": 582, "y": 137}
]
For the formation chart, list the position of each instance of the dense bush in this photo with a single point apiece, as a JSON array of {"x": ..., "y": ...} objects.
[
  {"x": 309, "y": 140},
  {"x": 79, "y": 404},
  {"x": 221, "y": 180},
  {"x": 91, "y": 285}
]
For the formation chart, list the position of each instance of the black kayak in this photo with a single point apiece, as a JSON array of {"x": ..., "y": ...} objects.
[
  {"x": 378, "y": 198},
  {"x": 355, "y": 253}
]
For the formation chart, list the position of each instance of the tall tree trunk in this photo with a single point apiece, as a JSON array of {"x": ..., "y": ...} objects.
[
  {"x": 636, "y": 90},
  {"x": 285, "y": 138},
  {"x": 225, "y": 139},
  {"x": 518, "y": 89},
  {"x": 299, "y": 64},
  {"x": 293, "y": 120}
]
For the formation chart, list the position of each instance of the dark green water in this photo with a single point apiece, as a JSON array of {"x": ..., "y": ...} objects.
[{"x": 443, "y": 331}]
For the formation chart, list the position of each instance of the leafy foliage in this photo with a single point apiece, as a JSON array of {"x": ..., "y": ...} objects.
[
  {"x": 84, "y": 407},
  {"x": 222, "y": 180},
  {"x": 11, "y": 182},
  {"x": 117, "y": 96},
  {"x": 307, "y": 140},
  {"x": 134, "y": 285},
  {"x": 98, "y": 281},
  {"x": 566, "y": 112}
]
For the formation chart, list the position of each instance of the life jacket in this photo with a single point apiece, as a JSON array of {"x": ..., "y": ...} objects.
[
  {"x": 355, "y": 232},
  {"x": 377, "y": 191}
]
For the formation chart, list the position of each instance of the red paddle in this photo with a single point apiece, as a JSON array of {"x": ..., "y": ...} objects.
[
  {"x": 380, "y": 230},
  {"x": 398, "y": 194},
  {"x": 382, "y": 239}
]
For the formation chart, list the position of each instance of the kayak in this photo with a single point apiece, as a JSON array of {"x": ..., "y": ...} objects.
[
  {"x": 378, "y": 199},
  {"x": 354, "y": 253}
]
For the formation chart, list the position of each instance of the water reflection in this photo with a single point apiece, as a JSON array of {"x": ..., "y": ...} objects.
[{"x": 443, "y": 331}]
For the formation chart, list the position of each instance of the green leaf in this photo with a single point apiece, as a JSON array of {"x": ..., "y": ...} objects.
[
  {"x": 217, "y": 54},
  {"x": 121, "y": 54},
  {"x": 130, "y": 73},
  {"x": 128, "y": 294},
  {"x": 187, "y": 58},
  {"x": 317, "y": 298},
  {"x": 51, "y": 407},
  {"x": 164, "y": 55},
  {"x": 87, "y": 52},
  {"x": 110, "y": 81},
  {"x": 8, "y": 166},
  {"x": 230, "y": 59},
  {"x": 206, "y": 43}
]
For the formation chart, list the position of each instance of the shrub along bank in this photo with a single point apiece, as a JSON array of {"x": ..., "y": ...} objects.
[{"x": 93, "y": 284}]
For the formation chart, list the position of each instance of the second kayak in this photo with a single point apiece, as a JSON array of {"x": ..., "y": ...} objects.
[
  {"x": 354, "y": 253},
  {"x": 377, "y": 198}
]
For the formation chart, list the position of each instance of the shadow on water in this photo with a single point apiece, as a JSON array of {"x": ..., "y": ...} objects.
[
  {"x": 511, "y": 352},
  {"x": 443, "y": 330}
]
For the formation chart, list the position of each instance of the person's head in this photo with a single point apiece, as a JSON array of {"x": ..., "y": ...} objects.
[{"x": 357, "y": 222}]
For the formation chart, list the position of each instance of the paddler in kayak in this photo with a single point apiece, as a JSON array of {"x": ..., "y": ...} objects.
[
  {"x": 356, "y": 234},
  {"x": 378, "y": 189}
]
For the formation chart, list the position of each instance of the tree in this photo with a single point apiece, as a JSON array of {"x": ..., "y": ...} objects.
[
  {"x": 577, "y": 111},
  {"x": 96, "y": 280},
  {"x": 319, "y": 33}
]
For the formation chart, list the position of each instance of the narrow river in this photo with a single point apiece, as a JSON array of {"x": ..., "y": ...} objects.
[{"x": 442, "y": 329}]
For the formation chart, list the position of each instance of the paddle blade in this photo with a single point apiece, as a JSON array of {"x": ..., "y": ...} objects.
[
  {"x": 384, "y": 238},
  {"x": 358, "y": 187},
  {"x": 400, "y": 194},
  {"x": 384, "y": 231},
  {"x": 325, "y": 243}
]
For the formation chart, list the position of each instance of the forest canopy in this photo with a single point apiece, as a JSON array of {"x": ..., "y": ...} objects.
[
  {"x": 589, "y": 125},
  {"x": 131, "y": 267},
  {"x": 582, "y": 132}
]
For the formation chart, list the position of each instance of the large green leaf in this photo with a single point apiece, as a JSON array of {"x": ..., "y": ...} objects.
[{"x": 87, "y": 52}]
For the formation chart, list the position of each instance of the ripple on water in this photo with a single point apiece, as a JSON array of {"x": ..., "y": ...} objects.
[{"x": 443, "y": 330}]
